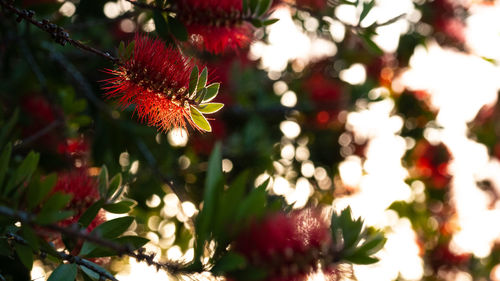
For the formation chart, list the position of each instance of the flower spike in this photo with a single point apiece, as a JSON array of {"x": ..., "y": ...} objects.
[{"x": 161, "y": 83}]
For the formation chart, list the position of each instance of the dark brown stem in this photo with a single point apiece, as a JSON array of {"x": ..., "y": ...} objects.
[
  {"x": 74, "y": 231},
  {"x": 59, "y": 35}
]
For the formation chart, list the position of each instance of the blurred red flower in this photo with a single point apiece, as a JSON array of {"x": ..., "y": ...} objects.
[
  {"x": 287, "y": 245},
  {"x": 215, "y": 25}
]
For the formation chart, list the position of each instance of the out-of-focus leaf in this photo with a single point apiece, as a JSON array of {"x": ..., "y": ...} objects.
[
  {"x": 37, "y": 192},
  {"x": 25, "y": 254},
  {"x": 161, "y": 25},
  {"x": 7, "y": 128},
  {"x": 269, "y": 22},
  {"x": 213, "y": 189},
  {"x": 254, "y": 204},
  {"x": 29, "y": 235},
  {"x": 110, "y": 229},
  {"x": 88, "y": 216},
  {"x": 103, "y": 181},
  {"x": 264, "y": 5},
  {"x": 229, "y": 262},
  {"x": 23, "y": 172},
  {"x": 64, "y": 272},
  {"x": 177, "y": 28},
  {"x": 114, "y": 183},
  {"x": 367, "y": 7},
  {"x": 121, "y": 207},
  {"x": 4, "y": 162}
]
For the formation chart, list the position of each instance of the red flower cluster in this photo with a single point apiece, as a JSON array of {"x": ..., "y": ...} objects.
[
  {"x": 215, "y": 25},
  {"x": 286, "y": 245},
  {"x": 155, "y": 79},
  {"x": 84, "y": 190},
  {"x": 432, "y": 163}
]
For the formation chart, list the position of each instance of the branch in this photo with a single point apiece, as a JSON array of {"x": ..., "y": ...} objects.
[
  {"x": 67, "y": 257},
  {"x": 74, "y": 231},
  {"x": 59, "y": 35}
]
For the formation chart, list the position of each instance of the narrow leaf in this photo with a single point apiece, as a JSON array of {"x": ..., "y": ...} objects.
[
  {"x": 88, "y": 216},
  {"x": 193, "y": 80},
  {"x": 161, "y": 25},
  {"x": 367, "y": 7},
  {"x": 114, "y": 183},
  {"x": 4, "y": 162},
  {"x": 209, "y": 108},
  {"x": 202, "y": 80},
  {"x": 199, "y": 119},
  {"x": 212, "y": 91},
  {"x": 269, "y": 22},
  {"x": 23, "y": 172},
  {"x": 103, "y": 181},
  {"x": 230, "y": 262},
  {"x": 25, "y": 254},
  {"x": 64, "y": 272},
  {"x": 264, "y": 5},
  {"x": 37, "y": 192},
  {"x": 7, "y": 128},
  {"x": 177, "y": 28},
  {"x": 122, "y": 207}
]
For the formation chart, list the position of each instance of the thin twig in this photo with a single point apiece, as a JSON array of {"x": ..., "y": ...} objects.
[
  {"x": 67, "y": 257},
  {"x": 59, "y": 35},
  {"x": 25, "y": 142},
  {"x": 74, "y": 231}
]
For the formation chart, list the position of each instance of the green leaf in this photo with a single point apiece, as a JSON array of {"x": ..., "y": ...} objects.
[
  {"x": 37, "y": 192},
  {"x": 209, "y": 108},
  {"x": 213, "y": 189},
  {"x": 177, "y": 28},
  {"x": 88, "y": 216},
  {"x": 121, "y": 49},
  {"x": 264, "y": 5},
  {"x": 103, "y": 181},
  {"x": 372, "y": 245},
  {"x": 129, "y": 50},
  {"x": 25, "y": 254},
  {"x": 269, "y": 22},
  {"x": 52, "y": 217},
  {"x": 200, "y": 120},
  {"x": 109, "y": 230},
  {"x": 4, "y": 162},
  {"x": 64, "y": 272},
  {"x": 161, "y": 25},
  {"x": 367, "y": 7},
  {"x": 56, "y": 202},
  {"x": 121, "y": 207},
  {"x": 253, "y": 6},
  {"x": 350, "y": 228},
  {"x": 7, "y": 128},
  {"x": 244, "y": 6},
  {"x": 114, "y": 183},
  {"x": 202, "y": 80},
  {"x": 29, "y": 235},
  {"x": 193, "y": 80},
  {"x": 159, "y": 3},
  {"x": 212, "y": 91},
  {"x": 229, "y": 262},
  {"x": 134, "y": 242},
  {"x": 362, "y": 259},
  {"x": 371, "y": 45},
  {"x": 201, "y": 95},
  {"x": 23, "y": 172},
  {"x": 257, "y": 22},
  {"x": 85, "y": 267},
  {"x": 254, "y": 204}
]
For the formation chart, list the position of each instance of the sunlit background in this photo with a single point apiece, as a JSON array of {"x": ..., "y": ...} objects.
[{"x": 457, "y": 84}]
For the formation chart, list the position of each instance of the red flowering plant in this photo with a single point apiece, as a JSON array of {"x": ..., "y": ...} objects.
[
  {"x": 165, "y": 87},
  {"x": 253, "y": 239}
]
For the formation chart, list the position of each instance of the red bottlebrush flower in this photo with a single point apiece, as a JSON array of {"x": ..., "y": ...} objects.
[
  {"x": 286, "y": 245},
  {"x": 81, "y": 186},
  {"x": 215, "y": 25},
  {"x": 432, "y": 163},
  {"x": 313, "y": 4},
  {"x": 155, "y": 79}
]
